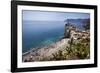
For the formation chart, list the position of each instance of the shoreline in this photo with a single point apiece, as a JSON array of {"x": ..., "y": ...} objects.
[
  {"x": 46, "y": 50},
  {"x": 34, "y": 49}
]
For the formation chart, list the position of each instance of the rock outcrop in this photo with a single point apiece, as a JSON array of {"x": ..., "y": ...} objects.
[{"x": 68, "y": 29}]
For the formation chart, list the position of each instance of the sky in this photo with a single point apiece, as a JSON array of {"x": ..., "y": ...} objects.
[{"x": 31, "y": 15}]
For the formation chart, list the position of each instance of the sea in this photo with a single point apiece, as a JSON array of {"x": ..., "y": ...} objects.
[{"x": 40, "y": 33}]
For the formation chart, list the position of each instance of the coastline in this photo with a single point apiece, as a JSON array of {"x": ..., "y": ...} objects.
[
  {"x": 75, "y": 44},
  {"x": 36, "y": 48},
  {"x": 46, "y": 51}
]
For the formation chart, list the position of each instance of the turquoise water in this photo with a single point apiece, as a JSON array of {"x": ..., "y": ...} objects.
[{"x": 41, "y": 33}]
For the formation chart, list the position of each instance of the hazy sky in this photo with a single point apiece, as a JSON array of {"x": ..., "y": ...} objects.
[{"x": 52, "y": 16}]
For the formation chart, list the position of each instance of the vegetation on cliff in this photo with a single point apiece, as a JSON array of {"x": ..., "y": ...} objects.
[
  {"x": 73, "y": 51},
  {"x": 87, "y": 24}
]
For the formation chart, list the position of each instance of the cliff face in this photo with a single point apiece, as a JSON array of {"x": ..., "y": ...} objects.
[
  {"x": 68, "y": 29},
  {"x": 72, "y": 32}
]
